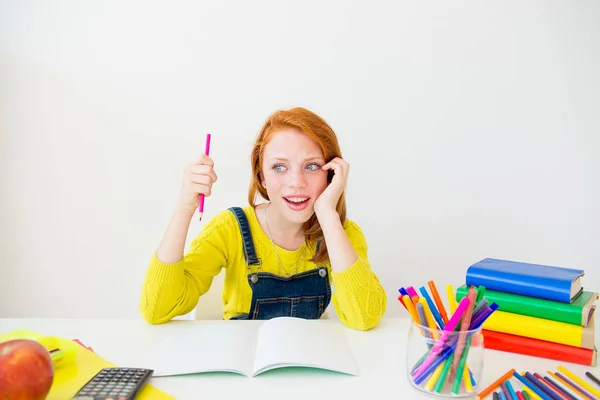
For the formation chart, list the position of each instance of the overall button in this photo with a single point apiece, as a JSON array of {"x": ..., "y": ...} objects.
[
  {"x": 322, "y": 272},
  {"x": 254, "y": 278}
]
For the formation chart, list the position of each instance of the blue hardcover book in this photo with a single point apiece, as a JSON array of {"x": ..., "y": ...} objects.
[{"x": 534, "y": 280}]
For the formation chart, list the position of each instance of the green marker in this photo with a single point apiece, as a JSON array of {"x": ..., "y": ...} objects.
[
  {"x": 461, "y": 367},
  {"x": 480, "y": 293},
  {"x": 444, "y": 374}
]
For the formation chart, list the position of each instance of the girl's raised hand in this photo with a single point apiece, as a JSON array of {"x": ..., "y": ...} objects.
[
  {"x": 327, "y": 201},
  {"x": 198, "y": 178}
]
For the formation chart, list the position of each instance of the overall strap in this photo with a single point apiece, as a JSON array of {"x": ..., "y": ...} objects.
[{"x": 249, "y": 250}]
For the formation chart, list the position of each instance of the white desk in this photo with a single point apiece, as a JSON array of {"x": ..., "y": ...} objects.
[{"x": 379, "y": 353}]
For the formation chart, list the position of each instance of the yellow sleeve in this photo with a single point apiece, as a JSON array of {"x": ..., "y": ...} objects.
[
  {"x": 170, "y": 290},
  {"x": 358, "y": 297}
]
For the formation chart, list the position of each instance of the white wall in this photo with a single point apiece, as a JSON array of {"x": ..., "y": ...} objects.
[{"x": 472, "y": 129}]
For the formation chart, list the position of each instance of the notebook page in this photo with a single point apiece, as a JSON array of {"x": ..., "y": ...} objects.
[
  {"x": 287, "y": 341},
  {"x": 204, "y": 346}
]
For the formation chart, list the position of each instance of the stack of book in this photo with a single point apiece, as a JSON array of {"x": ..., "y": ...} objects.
[{"x": 543, "y": 311}]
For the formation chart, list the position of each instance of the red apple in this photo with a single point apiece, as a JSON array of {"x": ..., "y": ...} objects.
[{"x": 26, "y": 370}]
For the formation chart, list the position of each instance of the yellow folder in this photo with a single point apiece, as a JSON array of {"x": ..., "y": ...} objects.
[{"x": 76, "y": 366}]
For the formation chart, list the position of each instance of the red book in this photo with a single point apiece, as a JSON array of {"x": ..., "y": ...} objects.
[{"x": 538, "y": 348}]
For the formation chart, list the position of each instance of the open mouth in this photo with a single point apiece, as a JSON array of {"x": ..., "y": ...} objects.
[{"x": 296, "y": 200}]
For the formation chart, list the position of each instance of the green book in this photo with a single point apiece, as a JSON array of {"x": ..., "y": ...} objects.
[{"x": 578, "y": 312}]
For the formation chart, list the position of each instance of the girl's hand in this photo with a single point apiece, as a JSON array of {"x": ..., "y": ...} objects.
[
  {"x": 327, "y": 201},
  {"x": 198, "y": 178}
]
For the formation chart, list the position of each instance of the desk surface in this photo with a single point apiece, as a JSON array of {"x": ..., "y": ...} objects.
[{"x": 378, "y": 352}]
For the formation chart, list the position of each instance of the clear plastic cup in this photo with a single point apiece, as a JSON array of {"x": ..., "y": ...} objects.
[{"x": 444, "y": 364}]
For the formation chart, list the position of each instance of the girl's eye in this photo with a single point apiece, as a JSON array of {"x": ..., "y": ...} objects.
[
  {"x": 278, "y": 168},
  {"x": 313, "y": 167}
]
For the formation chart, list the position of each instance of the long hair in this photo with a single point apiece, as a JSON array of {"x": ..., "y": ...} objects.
[{"x": 314, "y": 126}]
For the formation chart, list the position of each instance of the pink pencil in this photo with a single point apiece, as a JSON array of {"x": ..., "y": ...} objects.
[
  {"x": 448, "y": 329},
  {"x": 201, "y": 200}
]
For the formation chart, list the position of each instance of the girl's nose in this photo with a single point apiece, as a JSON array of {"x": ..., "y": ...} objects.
[{"x": 297, "y": 179}]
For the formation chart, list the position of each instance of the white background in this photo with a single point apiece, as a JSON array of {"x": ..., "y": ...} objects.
[{"x": 472, "y": 129}]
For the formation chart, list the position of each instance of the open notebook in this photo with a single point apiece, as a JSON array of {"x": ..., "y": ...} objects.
[{"x": 251, "y": 349}]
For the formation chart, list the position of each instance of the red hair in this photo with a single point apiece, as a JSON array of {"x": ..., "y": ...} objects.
[{"x": 314, "y": 126}]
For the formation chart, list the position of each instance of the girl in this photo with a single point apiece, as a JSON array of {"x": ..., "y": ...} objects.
[{"x": 282, "y": 256}]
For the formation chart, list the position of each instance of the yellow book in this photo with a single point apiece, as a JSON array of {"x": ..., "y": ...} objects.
[
  {"x": 76, "y": 366},
  {"x": 543, "y": 329}
]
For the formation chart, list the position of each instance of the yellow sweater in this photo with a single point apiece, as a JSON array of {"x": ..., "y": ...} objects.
[{"x": 170, "y": 290}]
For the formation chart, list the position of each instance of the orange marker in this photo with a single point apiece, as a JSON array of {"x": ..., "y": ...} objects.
[
  {"x": 494, "y": 385},
  {"x": 438, "y": 301}
]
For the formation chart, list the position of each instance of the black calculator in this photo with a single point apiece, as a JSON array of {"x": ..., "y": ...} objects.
[{"x": 114, "y": 384}]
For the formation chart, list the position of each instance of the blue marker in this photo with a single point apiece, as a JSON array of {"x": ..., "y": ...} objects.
[
  {"x": 403, "y": 292},
  {"x": 532, "y": 386},
  {"x": 511, "y": 390},
  {"x": 432, "y": 307}
]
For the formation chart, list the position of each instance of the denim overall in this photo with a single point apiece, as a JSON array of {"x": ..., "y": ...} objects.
[{"x": 303, "y": 295}]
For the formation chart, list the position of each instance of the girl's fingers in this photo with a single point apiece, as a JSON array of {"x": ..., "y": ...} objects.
[
  {"x": 198, "y": 188},
  {"x": 203, "y": 170},
  {"x": 338, "y": 165},
  {"x": 203, "y": 159},
  {"x": 201, "y": 179}
]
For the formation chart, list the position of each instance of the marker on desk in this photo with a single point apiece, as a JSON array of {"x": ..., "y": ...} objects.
[
  {"x": 571, "y": 385},
  {"x": 593, "y": 378},
  {"x": 495, "y": 384},
  {"x": 549, "y": 392},
  {"x": 504, "y": 390},
  {"x": 201, "y": 199},
  {"x": 533, "y": 387},
  {"x": 556, "y": 386},
  {"x": 529, "y": 394},
  {"x": 511, "y": 390},
  {"x": 523, "y": 394},
  {"x": 577, "y": 379}
]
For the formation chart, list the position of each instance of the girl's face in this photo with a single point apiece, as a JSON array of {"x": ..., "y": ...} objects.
[{"x": 292, "y": 174}]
